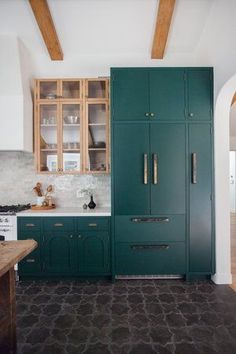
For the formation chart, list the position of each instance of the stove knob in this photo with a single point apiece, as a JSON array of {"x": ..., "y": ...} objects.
[
  {"x": 1, "y": 220},
  {"x": 6, "y": 220}
]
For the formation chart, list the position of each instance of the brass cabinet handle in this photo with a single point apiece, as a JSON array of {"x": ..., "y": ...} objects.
[
  {"x": 30, "y": 225},
  {"x": 92, "y": 225},
  {"x": 147, "y": 114},
  {"x": 152, "y": 114},
  {"x": 149, "y": 247},
  {"x": 58, "y": 225},
  {"x": 145, "y": 169},
  {"x": 30, "y": 260},
  {"x": 194, "y": 168},
  {"x": 162, "y": 219},
  {"x": 155, "y": 169}
]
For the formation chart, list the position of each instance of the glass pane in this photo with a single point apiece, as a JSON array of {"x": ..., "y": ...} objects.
[
  {"x": 97, "y": 89},
  {"x": 97, "y": 136},
  {"x": 97, "y": 113},
  {"x": 48, "y": 138},
  {"x": 71, "y": 137},
  {"x": 48, "y": 89},
  {"x": 71, "y": 89},
  {"x": 97, "y": 160}
]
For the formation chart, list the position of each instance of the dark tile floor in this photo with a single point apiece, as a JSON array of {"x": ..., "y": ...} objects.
[{"x": 136, "y": 317}]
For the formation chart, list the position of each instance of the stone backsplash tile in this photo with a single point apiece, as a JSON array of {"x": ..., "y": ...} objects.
[{"x": 18, "y": 177}]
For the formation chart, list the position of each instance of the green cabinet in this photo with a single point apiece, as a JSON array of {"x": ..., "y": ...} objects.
[
  {"x": 93, "y": 252},
  {"x": 201, "y": 252},
  {"x": 162, "y": 94},
  {"x": 67, "y": 246},
  {"x": 59, "y": 253},
  {"x": 131, "y": 147},
  {"x": 162, "y": 171},
  {"x": 199, "y": 94}
]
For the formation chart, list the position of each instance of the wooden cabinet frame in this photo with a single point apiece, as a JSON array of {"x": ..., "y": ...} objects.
[{"x": 84, "y": 101}]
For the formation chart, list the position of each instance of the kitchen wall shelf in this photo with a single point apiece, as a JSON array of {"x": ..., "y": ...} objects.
[{"x": 70, "y": 112}]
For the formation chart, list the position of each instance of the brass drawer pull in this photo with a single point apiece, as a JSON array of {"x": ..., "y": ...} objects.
[
  {"x": 145, "y": 169},
  {"x": 58, "y": 225},
  {"x": 194, "y": 168},
  {"x": 149, "y": 247},
  {"x": 30, "y": 260},
  {"x": 92, "y": 225},
  {"x": 155, "y": 169},
  {"x": 160, "y": 219},
  {"x": 30, "y": 225}
]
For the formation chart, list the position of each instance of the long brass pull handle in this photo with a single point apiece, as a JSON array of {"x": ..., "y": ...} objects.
[
  {"x": 194, "y": 167},
  {"x": 155, "y": 169},
  {"x": 149, "y": 247},
  {"x": 30, "y": 260},
  {"x": 145, "y": 169},
  {"x": 92, "y": 225},
  {"x": 154, "y": 219},
  {"x": 58, "y": 225},
  {"x": 30, "y": 225}
]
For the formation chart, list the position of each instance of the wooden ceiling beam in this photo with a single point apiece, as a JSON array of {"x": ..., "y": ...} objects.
[
  {"x": 45, "y": 22},
  {"x": 164, "y": 15},
  {"x": 233, "y": 99}
]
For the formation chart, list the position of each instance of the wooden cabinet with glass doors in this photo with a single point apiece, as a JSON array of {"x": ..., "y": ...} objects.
[{"x": 72, "y": 125}]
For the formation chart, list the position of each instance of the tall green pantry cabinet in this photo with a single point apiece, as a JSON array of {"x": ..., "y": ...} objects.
[{"x": 162, "y": 172}]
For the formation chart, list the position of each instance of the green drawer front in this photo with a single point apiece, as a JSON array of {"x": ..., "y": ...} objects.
[
  {"x": 150, "y": 258},
  {"x": 58, "y": 223},
  {"x": 92, "y": 223},
  {"x": 31, "y": 264},
  {"x": 29, "y": 223},
  {"x": 154, "y": 228}
]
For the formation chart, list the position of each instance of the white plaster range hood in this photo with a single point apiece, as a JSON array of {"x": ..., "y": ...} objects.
[{"x": 15, "y": 97}]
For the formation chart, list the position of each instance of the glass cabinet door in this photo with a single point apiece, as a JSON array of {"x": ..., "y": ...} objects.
[
  {"x": 97, "y": 137},
  {"x": 48, "y": 90},
  {"x": 71, "y": 89},
  {"x": 48, "y": 138},
  {"x": 71, "y": 137},
  {"x": 97, "y": 89}
]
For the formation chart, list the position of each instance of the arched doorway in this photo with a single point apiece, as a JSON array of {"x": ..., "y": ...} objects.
[{"x": 222, "y": 189}]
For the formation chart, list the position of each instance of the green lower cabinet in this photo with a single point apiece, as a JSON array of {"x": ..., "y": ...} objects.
[
  {"x": 59, "y": 253},
  {"x": 94, "y": 252},
  {"x": 150, "y": 258},
  {"x": 32, "y": 263}
]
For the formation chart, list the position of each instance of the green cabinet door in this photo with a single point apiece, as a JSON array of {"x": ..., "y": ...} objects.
[
  {"x": 199, "y": 94},
  {"x": 94, "y": 252},
  {"x": 130, "y": 148},
  {"x": 32, "y": 263},
  {"x": 200, "y": 243},
  {"x": 168, "y": 153},
  {"x": 130, "y": 94},
  {"x": 167, "y": 94},
  {"x": 59, "y": 253}
]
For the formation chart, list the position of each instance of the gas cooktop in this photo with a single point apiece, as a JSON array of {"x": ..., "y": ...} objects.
[{"x": 13, "y": 209}]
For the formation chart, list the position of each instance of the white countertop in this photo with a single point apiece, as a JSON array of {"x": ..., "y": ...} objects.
[{"x": 73, "y": 211}]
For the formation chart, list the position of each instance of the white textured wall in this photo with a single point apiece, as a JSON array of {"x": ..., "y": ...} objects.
[{"x": 18, "y": 178}]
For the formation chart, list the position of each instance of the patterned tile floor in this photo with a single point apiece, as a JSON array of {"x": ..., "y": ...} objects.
[{"x": 136, "y": 317}]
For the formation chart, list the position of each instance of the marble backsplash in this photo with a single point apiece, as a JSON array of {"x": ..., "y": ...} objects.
[{"x": 18, "y": 177}]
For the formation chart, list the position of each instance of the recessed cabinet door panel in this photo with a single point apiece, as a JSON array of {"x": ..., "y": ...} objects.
[
  {"x": 199, "y": 82},
  {"x": 168, "y": 191},
  {"x": 59, "y": 251},
  {"x": 130, "y": 94},
  {"x": 167, "y": 94},
  {"x": 31, "y": 264},
  {"x": 94, "y": 252},
  {"x": 130, "y": 144},
  {"x": 200, "y": 198}
]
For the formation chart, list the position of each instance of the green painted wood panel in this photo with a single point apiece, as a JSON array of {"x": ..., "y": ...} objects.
[
  {"x": 130, "y": 143},
  {"x": 150, "y": 258},
  {"x": 59, "y": 253},
  {"x": 94, "y": 252},
  {"x": 140, "y": 228},
  {"x": 58, "y": 223},
  {"x": 199, "y": 93},
  {"x": 92, "y": 223},
  {"x": 200, "y": 242},
  {"x": 130, "y": 94},
  {"x": 168, "y": 142},
  {"x": 167, "y": 94},
  {"x": 32, "y": 263}
]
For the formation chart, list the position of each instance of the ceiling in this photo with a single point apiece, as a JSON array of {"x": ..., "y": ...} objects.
[{"x": 106, "y": 27}]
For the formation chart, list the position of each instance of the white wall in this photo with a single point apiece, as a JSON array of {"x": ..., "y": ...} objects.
[{"x": 232, "y": 180}]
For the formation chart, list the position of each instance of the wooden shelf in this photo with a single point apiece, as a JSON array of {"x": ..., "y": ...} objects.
[
  {"x": 97, "y": 149},
  {"x": 97, "y": 124},
  {"x": 71, "y": 125},
  {"x": 48, "y": 125}
]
